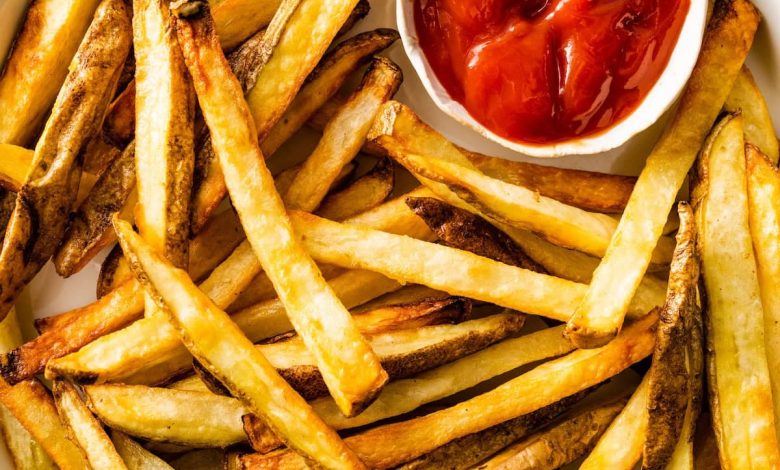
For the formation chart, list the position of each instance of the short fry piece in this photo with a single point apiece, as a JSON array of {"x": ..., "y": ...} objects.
[
  {"x": 738, "y": 373},
  {"x": 745, "y": 97},
  {"x": 365, "y": 193},
  {"x": 135, "y": 456},
  {"x": 84, "y": 429},
  {"x": 726, "y": 44},
  {"x": 233, "y": 358},
  {"x": 348, "y": 366}
]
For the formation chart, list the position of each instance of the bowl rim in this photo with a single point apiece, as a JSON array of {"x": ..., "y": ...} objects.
[{"x": 659, "y": 99}]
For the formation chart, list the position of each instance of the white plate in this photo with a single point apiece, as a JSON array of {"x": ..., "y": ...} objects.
[{"x": 48, "y": 294}]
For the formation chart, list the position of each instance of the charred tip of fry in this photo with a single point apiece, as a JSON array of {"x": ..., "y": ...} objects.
[
  {"x": 9, "y": 367},
  {"x": 188, "y": 9}
]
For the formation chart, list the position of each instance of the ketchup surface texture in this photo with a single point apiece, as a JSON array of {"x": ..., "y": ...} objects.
[{"x": 546, "y": 71}]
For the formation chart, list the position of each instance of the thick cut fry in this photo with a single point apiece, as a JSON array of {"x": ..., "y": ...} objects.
[
  {"x": 84, "y": 429},
  {"x": 620, "y": 447},
  {"x": 559, "y": 444},
  {"x": 670, "y": 379},
  {"x": 164, "y": 144},
  {"x": 232, "y": 358},
  {"x": 39, "y": 64},
  {"x": 15, "y": 162},
  {"x": 763, "y": 183},
  {"x": 348, "y": 366},
  {"x": 343, "y": 136},
  {"x": 453, "y": 271},
  {"x": 365, "y": 193},
  {"x": 236, "y": 20},
  {"x": 32, "y": 405},
  {"x": 739, "y": 378},
  {"x": 726, "y": 43},
  {"x": 393, "y": 444},
  {"x": 40, "y": 217},
  {"x": 193, "y": 419},
  {"x": 90, "y": 230},
  {"x": 135, "y": 456},
  {"x": 466, "y": 452},
  {"x": 745, "y": 97}
]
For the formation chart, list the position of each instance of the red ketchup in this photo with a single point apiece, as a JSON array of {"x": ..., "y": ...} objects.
[{"x": 546, "y": 71}]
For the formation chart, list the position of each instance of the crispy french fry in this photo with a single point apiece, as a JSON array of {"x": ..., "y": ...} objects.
[
  {"x": 84, "y": 429},
  {"x": 232, "y": 357},
  {"x": 620, "y": 447},
  {"x": 745, "y": 97},
  {"x": 40, "y": 217},
  {"x": 726, "y": 43},
  {"x": 344, "y": 135},
  {"x": 559, "y": 444},
  {"x": 348, "y": 366},
  {"x": 763, "y": 184},
  {"x": 671, "y": 394},
  {"x": 365, "y": 193},
  {"x": 135, "y": 456},
  {"x": 236, "y": 20},
  {"x": 15, "y": 162},
  {"x": 738, "y": 373},
  {"x": 393, "y": 444},
  {"x": 31, "y": 404},
  {"x": 39, "y": 64}
]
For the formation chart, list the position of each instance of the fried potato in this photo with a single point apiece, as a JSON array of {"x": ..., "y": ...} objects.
[
  {"x": 726, "y": 43},
  {"x": 424, "y": 312},
  {"x": 670, "y": 379},
  {"x": 31, "y": 404},
  {"x": 468, "y": 451},
  {"x": 738, "y": 373},
  {"x": 365, "y": 193},
  {"x": 38, "y": 65},
  {"x": 232, "y": 358},
  {"x": 351, "y": 371},
  {"x": 236, "y": 20},
  {"x": 344, "y": 135},
  {"x": 763, "y": 186},
  {"x": 745, "y": 97},
  {"x": 620, "y": 447},
  {"x": 84, "y": 429},
  {"x": 51, "y": 187},
  {"x": 15, "y": 162},
  {"x": 453, "y": 271},
  {"x": 135, "y": 456},
  {"x": 206, "y": 459},
  {"x": 559, "y": 444},
  {"x": 181, "y": 417},
  {"x": 393, "y": 444}
]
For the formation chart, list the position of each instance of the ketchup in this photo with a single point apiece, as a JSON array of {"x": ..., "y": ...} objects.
[{"x": 545, "y": 71}]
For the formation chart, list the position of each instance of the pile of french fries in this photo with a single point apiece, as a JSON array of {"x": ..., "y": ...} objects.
[{"x": 499, "y": 315}]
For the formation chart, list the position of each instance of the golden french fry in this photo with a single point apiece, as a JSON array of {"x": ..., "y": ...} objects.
[
  {"x": 135, "y": 456},
  {"x": 365, "y": 193},
  {"x": 745, "y": 97},
  {"x": 15, "y": 162}
]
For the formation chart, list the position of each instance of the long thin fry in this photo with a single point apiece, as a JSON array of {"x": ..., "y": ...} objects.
[
  {"x": 351, "y": 371},
  {"x": 233, "y": 358},
  {"x": 135, "y": 456},
  {"x": 40, "y": 216},
  {"x": 745, "y": 97},
  {"x": 726, "y": 43}
]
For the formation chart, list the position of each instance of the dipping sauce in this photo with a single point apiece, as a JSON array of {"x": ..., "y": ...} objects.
[{"x": 547, "y": 71}]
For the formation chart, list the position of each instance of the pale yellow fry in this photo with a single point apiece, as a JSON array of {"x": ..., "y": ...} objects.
[
  {"x": 135, "y": 456},
  {"x": 740, "y": 387},
  {"x": 763, "y": 184},
  {"x": 621, "y": 445},
  {"x": 726, "y": 43},
  {"x": 746, "y": 97},
  {"x": 350, "y": 369},
  {"x": 224, "y": 350},
  {"x": 85, "y": 429}
]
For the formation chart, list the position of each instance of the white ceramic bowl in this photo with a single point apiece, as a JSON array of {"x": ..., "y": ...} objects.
[{"x": 660, "y": 98}]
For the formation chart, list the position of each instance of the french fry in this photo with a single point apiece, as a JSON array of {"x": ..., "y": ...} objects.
[
  {"x": 38, "y": 65},
  {"x": 365, "y": 193},
  {"x": 31, "y": 404},
  {"x": 559, "y": 444},
  {"x": 672, "y": 397},
  {"x": 351, "y": 371},
  {"x": 186, "y": 418},
  {"x": 726, "y": 43},
  {"x": 206, "y": 459},
  {"x": 39, "y": 219},
  {"x": 393, "y": 444},
  {"x": 763, "y": 184},
  {"x": 344, "y": 135},
  {"x": 84, "y": 429},
  {"x": 620, "y": 447},
  {"x": 453, "y": 271},
  {"x": 738, "y": 373},
  {"x": 239, "y": 366},
  {"x": 745, "y": 97},
  {"x": 135, "y": 456},
  {"x": 14, "y": 166},
  {"x": 236, "y": 20}
]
